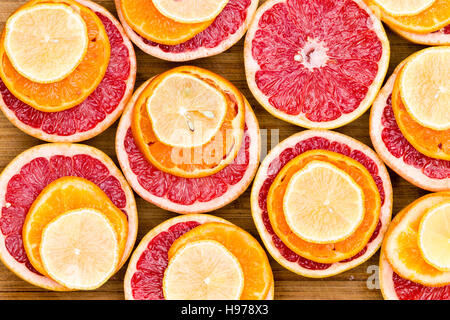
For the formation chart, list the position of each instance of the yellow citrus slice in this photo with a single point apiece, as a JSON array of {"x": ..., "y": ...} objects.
[
  {"x": 79, "y": 249},
  {"x": 203, "y": 270},
  {"x": 404, "y": 7},
  {"x": 190, "y": 11},
  {"x": 186, "y": 111},
  {"x": 46, "y": 42},
  {"x": 425, "y": 87},
  {"x": 323, "y": 204},
  {"x": 434, "y": 236},
  {"x": 62, "y": 195}
]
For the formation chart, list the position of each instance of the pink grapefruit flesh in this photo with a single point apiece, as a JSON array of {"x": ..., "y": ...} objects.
[{"x": 272, "y": 165}]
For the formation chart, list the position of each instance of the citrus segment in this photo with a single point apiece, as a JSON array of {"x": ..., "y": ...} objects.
[
  {"x": 436, "y": 38},
  {"x": 203, "y": 270},
  {"x": 79, "y": 249},
  {"x": 147, "y": 21},
  {"x": 323, "y": 204},
  {"x": 425, "y": 89},
  {"x": 404, "y": 7},
  {"x": 434, "y": 236},
  {"x": 62, "y": 195},
  {"x": 190, "y": 11},
  {"x": 257, "y": 271},
  {"x": 79, "y": 84},
  {"x": 46, "y": 42}
]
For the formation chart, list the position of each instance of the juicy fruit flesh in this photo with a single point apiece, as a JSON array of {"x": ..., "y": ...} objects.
[
  {"x": 92, "y": 111},
  {"x": 203, "y": 270},
  {"x": 323, "y": 204},
  {"x": 331, "y": 78},
  {"x": 190, "y": 11},
  {"x": 409, "y": 290},
  {"x": 404, "y": 7}
]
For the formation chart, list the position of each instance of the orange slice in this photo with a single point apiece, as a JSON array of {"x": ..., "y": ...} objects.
[
  {"x": 146, "y": 20},
  {"x": 190, "y": 11},
  {"x": 203, "y": 270},
  {"x": 434, "y": 236},
  {"x": 432, "y": 19},
  {"x": 79, "y": 249},
  {"x": 194, "y": 160},
  {"x": 401, "y": 244},
  {"x": 404, "y": 7},
  {"x": 62, "y": 195},
  {"x": 329, "y": 210},
  {"x": 46, "y": 42},
  {"x": 328, "y": 252},
  {"x": 79, "y": 84},
  {"x": 255, "y": 265}
]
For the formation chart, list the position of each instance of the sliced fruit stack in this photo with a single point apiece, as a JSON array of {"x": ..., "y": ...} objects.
[
  {"x": 421, "y": 21},
  {"x": 188, "y": 141},
  {"x": 317, "y": 63},
  {"x": 66, "y": 69},
  {"x": 68, "y": 219},
  {"x": 198, "y": 257},
  {"x": 410, "y": 120},
  {"x": 415, "y": 257},
  {"x": 322, "y": 202},
  {"x": 184, "y": 30}
]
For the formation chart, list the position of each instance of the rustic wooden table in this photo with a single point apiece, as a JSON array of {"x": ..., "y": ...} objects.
[{"x": 354, "y": 284}]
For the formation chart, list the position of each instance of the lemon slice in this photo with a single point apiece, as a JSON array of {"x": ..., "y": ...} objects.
[
  {"x": 190, "y": 11},
  {"x": 323, "y": 204},
  {"x": 46, "y": 42},
  {"x": 398, "y": 8},
  {"x": 203, "y": 270},
  {"x": 186, "y": 111},
  {"x": 434, "y": 236},
  {"x": 79, "y": 249},
  {"x": 425, "y": 87}
]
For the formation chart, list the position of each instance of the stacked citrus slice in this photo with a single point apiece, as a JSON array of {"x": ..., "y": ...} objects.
[
  {"x": 321, "y": 202},
  {"x": 198, "y": 257},
  {"x": 421, "y": 21},
  {"x": 69, "y": 219},
  {"x": 185, "y": 30},
  {"x": 410, "y": 120},
  {"x": 414, "y": 263},
  {"x": 188, "y": 141},
  {"x": 66, "y": 69}
]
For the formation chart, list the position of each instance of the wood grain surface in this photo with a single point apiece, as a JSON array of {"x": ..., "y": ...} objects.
[{"x": 353, "y": 284}]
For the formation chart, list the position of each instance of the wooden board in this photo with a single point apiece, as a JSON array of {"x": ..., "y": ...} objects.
[{"x": 353, "y": 284}]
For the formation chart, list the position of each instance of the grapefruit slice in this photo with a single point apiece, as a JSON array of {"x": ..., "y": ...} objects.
[
  {"x": 217, "y": 125},
  {"x": 401, "y": 245},
  {"x": 274, "y": 163},
  {"x": 30, "y": 172},
  {"x": 316, "y": 72},
  {"x": 144, "y": 276},
  {"x": 63, "y": 195},
  {"x": 79, "y": 84},
  {"x": 395, "y": 150},
  {"x": 436, "y": 38},
  {"x": 187, "y": 195},
  {"x": 404, "y": 7},
  {"x": 190, "y": 11},
  {"x": 95, "y": 114},
  {"x": 251, "y": 256},
  {"x": 226, "y": 30}
]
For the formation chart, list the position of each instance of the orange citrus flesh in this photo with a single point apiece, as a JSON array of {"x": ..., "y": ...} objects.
[
  {"x": 257, "y": 272},
  {"x": 76, "y": 87},
  {"x": 430, "y": 142},
  {"x": 432, "y": 19},
  {"x": 331, "y": 252},
  {"x": 146, "y": 20},
  {"x": 62, "y": 195},
  {"x": 198, "y": 161}
]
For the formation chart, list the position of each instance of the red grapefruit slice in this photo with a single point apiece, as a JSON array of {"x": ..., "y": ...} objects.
[
  {"x": 144, "y": 277},
  {"x": 318, "y": 63},
  {"x": 187, "y": 195},
  {"x": 227, "y": 29},
  {"x": 422, "y": 171},
  {"x": 437, "y": 38},
  {"x": 272, "y": 165},
  {"x": 30, "y": 172},
  {"x": 95, "y": 114}
]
